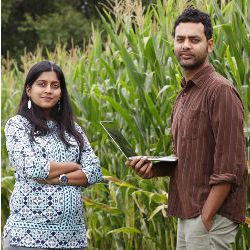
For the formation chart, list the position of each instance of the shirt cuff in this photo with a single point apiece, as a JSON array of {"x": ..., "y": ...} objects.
[
  {"x": 222, "y": 178},
  {"x": 93, "y": 176},
  {"x": 88, "y": 176}
]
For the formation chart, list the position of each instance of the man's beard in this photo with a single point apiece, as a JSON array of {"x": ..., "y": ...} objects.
[{"x": 195, "y": 64}]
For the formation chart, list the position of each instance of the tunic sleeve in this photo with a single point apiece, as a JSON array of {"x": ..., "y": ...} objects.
[
  {"x": 27, "y": 157},
  {"x": 89, "y": 161}
]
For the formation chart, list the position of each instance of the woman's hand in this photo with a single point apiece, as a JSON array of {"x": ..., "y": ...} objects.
[
  {"x": 58, "y": 168},
  {"x": 53, "y": 181},
  {"x": 42, "y": 181},
  {"x": 75, "y": 178}
]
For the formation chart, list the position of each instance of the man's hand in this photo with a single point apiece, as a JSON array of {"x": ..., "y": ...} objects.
[
  {"x": 142, "y": 166},
  {"x": 207, "y": 222},
  {"x": 215, "y": 199}
]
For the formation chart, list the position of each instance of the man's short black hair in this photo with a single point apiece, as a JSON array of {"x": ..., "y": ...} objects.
[{"x": 192, "y": 15}]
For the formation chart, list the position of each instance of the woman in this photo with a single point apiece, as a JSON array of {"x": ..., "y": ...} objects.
[{"x": 52, "y": 159}]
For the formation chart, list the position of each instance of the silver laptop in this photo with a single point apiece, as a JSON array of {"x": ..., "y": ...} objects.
[{"x": 120, "y": 141}]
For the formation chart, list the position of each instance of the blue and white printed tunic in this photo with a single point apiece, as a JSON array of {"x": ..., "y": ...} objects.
[{"x": 43, "y": 215}]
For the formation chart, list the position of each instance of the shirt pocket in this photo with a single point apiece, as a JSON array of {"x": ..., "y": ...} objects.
[{"x": 193, "y": 124}]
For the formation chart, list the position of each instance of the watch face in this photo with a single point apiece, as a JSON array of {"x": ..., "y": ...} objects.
[{"x": 64, "y": 179}]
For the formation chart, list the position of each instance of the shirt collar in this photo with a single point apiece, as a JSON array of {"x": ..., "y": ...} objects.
[{"x": 199, "y": 78}]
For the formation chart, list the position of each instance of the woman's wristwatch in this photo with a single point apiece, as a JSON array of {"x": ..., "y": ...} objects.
[{"x": 63, "y": 180}]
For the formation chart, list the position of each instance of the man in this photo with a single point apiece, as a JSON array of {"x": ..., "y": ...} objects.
[{"x": 208, "y": 184}]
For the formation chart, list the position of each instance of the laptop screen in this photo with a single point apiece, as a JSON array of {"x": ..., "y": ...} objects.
[{"x": 120, "y": 141}]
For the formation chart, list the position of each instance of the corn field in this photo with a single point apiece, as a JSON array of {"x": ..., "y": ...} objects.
[{"x": 128, "y": 73}]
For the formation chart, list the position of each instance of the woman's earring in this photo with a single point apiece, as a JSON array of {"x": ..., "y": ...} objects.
[
  {"x": 29, "y": 103},
  {"x": 59, "y": 106}
]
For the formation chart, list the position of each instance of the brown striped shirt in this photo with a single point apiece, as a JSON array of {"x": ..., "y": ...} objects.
[{"x": 208, "y": 138}]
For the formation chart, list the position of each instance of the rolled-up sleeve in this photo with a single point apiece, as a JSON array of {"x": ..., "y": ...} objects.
[
  {"x": 227, "y": 118},
  {"x": 89, "y": 161},
  {"x": 28, "y": 159}
]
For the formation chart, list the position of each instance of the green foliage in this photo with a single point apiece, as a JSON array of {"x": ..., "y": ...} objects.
[
  {"x": 133, "y": 77},
  {"x": 6, "y": 5},
  {"x": 63, "y": 26},
  {"x": 7, "y": 184},
  {"x": 26, "y": 23}
]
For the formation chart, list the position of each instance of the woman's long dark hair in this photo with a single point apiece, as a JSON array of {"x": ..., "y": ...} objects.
[{"x": 63, "y": 115}]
